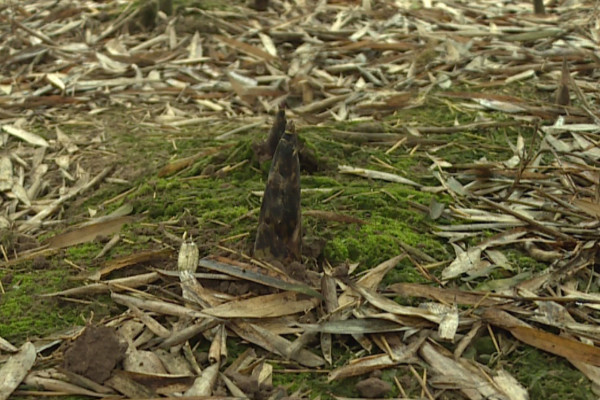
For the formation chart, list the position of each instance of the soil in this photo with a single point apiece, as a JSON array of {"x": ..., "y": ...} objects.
[
  {"x": 40, "y": 262},
  {"x": 250, "y": 386},
  {"x": 95, "y": 353},
  {"x": 17, "y": 242},
  {"x": 373, "y": 388}
]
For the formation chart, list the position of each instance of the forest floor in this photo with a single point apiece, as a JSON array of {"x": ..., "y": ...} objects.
[{"x": 449, "y": 197}]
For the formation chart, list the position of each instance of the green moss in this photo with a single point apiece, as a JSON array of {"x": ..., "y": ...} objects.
[
  {"x": 549, "y": 377},
  {"x": 378, "y": 241},
  {"x": 315, "y": 181},
  {"x": 206, "y": 4},
  {"x": 23, "y": 314},
  {"x": 524, "y": 262},
  {"x": 84, "y": 251},
  {"x": 336, "y": 249},
  {"x": 315, "y": 383}
]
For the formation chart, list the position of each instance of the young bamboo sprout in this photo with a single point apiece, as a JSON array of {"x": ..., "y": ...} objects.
[
  {"x": 264, "y": 150},
  {"x": 276, "y": 132},
  {"x": 538, "y": 7},
  {"x": 279, "y": 233}
]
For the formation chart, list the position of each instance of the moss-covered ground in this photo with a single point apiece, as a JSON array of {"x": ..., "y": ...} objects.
[{"x": 212, "y": 199}]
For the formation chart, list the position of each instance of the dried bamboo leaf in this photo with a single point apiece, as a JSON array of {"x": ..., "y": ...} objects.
[
  {"x": 6, "y": 173},
  {"x": 372, "y": 174},
  {"x": 267, "y": 306},
  {"x": 248, "y": 49},
  {"x": 392, "y": 307},
  {"x": 174, "y": 363},
  {"x": 204, "y": 384},
  {"x": 130, "y": 388},
  {"x": 128, "y": 260},
  {"x": 246, "y": 272},
  {"x": 355, "y": 326},
  {"x": 468, "y": 378},
  {"x": 153, "y": 325},
  {"x": 59, "y": 386},
  {"x": 274, "y": 343},
  {"x": 88, "y": 232},
  {"x": 465, "y": 262},
  {"x": 400, "y": 354},
  {"x": 5, "y": 345},
  {"x": 80, "y": 187},
  {"x": 561, "y": 346},
  {"x": 25, "y": 135},
  {"x": 182, "y": 335},
  {"x": 16, "y": 368},
  {"x": 370, "y": 280},
  {"x": 445, "y": 295},
  {"x": 161, "y": 307},
  {"x": 120, "y": 284},
  {"x": 84, "y": 382},
  {"x": 217, "y": 352},
  {"x": 142, "y": 361}
]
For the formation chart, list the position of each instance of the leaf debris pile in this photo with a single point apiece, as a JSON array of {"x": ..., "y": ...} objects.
[{"x": 345, "y": 62}]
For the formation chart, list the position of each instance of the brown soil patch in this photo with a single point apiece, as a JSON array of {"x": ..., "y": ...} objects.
[{"x": 95, "y": 353}]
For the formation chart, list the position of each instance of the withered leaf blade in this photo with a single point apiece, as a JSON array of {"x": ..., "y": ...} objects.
[
  {"x": 275, "y": 343},
  {"x": 443, "y": 295},
  {"x": 355, "y": 326},
  {"x": 203, "y": 385},
  {"x": 279, "y": 234},
  {"x": 559, "y": 345},
  {"x": 372, "y": 174},
  {"x": 25, "y": 135},
  {"x": 268, "y": 306},
  {"x": 57, "y": 385},
  {"x": 398, "y": 354},
  {"x": 130, "y": 388},
  {"x": 119, "y": 284},
  {"x": 131, "y": 259},
  {"x": 5, "y": 345},
  {"x": 161, "y": 383},
  {"x": 467, "y": 377},
  {"x": 16, "y": 368},
  {"x": 142, "y": 361},
  {"x": 257, "y": 277},
  {"x": 88, "y": 233}
]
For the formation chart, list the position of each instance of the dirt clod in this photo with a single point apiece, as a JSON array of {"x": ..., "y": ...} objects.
[
  {"x": 95, "y": 353},
  {"x": 40, "y": 262},
  {"x": 297, "y": 271},
  {"x": 373, "y": 387}
]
